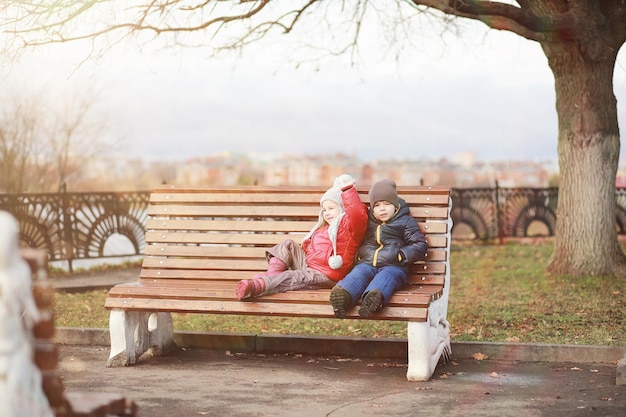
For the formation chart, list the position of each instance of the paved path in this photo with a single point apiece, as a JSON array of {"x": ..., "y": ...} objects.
[
  {"x": 91, "y": 280},
  {"x": 199, "y": 382}
]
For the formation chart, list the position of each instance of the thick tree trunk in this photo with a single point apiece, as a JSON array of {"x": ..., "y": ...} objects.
[{"x": 586, "y": 240}]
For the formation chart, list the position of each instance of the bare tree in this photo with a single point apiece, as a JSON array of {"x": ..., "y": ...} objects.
[
  {"x": 75, "y": 136},
  {"x": 44, "y": 144},
  {"x": 18, "y": 139},
  {"x": 580, "y": 38}
]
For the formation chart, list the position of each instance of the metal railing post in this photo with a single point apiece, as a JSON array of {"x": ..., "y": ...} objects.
[
  {"x": 68, "y": 241},
  {"x": 499, "y": 228}
]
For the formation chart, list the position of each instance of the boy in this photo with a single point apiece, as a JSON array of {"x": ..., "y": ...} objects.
[{"x": 393, "y": 241}]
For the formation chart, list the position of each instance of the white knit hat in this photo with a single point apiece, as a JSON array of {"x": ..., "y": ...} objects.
[{"x": 333, "y": 194}]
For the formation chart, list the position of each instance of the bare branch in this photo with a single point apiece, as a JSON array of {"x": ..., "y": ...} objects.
[
  {"x": 220, "y": 25},
  {"x": 501, "y": 16}
]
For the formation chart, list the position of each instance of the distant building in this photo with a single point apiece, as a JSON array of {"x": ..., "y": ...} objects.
[{"x": 463, "y": 171}]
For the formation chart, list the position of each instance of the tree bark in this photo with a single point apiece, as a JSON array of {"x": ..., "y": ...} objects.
[{"x": 586, "y": 241}]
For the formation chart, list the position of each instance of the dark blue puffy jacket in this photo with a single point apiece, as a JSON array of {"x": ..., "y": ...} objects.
[{"x": 397, "y": 242}]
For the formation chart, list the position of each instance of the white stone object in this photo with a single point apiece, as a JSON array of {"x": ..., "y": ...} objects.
[{"x": 21, "y": 392}]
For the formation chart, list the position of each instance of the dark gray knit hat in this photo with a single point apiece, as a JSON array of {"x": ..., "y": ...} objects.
[{"x": 384, "y": 190}]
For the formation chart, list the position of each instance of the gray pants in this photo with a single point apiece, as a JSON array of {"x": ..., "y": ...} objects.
[{"x": 298, "y": 275}]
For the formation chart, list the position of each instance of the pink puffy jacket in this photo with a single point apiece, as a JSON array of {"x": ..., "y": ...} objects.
[{"x": 319, "y": 248}]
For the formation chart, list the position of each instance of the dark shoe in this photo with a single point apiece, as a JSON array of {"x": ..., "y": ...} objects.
[
  {"x": 340, "y": 299},
  {"x": 371, "y": 303}
]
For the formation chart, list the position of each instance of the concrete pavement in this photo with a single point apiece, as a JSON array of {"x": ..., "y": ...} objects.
[
  {"x": 203, "y": 382},
  {"x": 90, "y": 280}
]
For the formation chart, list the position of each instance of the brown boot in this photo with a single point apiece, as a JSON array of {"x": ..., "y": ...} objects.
[
  {"x": 340, "y": 299},
  {"x": 371, "y": 303}
]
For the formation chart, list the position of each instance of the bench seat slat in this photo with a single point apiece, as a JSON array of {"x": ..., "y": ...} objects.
[
  {"x": 222, "y": 275},
  {"x": 257, "y": 264},
  {"x": 258, "y": 308},
  {"x": 417, "y": 297},
  {"x": 179, "y": 282}
]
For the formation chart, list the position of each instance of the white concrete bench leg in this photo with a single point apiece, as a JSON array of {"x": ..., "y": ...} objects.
[
  {"x": 133, "y": 333},
  {"x": 620, "y": 374},
  {"x": 428, "y": 342}
]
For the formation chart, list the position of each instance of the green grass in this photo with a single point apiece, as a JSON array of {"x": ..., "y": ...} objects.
[
  {"x": 498, "y": 293},
  {"x": 531, "y": 306}
]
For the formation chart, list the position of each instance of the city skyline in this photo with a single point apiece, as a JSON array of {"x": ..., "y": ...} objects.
[{"x": 487, "y": 92}]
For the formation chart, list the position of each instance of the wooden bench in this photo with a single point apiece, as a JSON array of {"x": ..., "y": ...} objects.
[
  {"x": 46, "y": 356},
  {"x": 201, "y": 241}
]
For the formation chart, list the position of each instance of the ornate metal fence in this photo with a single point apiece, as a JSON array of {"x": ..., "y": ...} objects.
[
  {"x": 491, "y": 213},
  {"x": 73, "y": 226}
]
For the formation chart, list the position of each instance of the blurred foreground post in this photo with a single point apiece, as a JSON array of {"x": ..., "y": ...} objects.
[
  {"x": 21, "y": 392},
  {"x": 30, "y": 383}
]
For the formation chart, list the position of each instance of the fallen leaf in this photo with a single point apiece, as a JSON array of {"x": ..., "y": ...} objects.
[
  {"x": 480, "y": 356},
  {"x": 392, "y": 365},
  {"x": 575, "y": 369},
  {"x": 593, "y": 370},
  {"x": 494, "y": 375}
]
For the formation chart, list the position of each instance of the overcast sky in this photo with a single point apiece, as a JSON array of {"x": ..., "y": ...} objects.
[{"x": 493, "y": 96}]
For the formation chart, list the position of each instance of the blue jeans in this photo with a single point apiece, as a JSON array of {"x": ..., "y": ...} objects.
[{"x": 364, "y": 278}]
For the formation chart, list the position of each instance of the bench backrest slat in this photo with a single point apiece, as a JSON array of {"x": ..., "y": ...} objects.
[
  {"x": 245, "y": 238},
  {"x": 229, "y": 252},
  {"x": 221, "y": 233}
]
